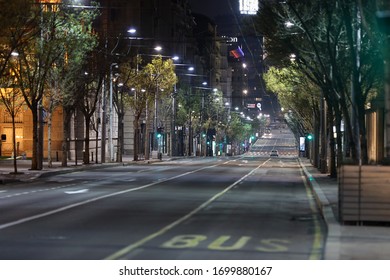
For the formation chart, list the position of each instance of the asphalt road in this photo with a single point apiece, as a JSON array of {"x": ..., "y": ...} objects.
[{"x": 247, "y": 207}]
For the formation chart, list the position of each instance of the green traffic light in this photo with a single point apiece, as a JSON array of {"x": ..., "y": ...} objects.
[{"x": 309, "y": 137}]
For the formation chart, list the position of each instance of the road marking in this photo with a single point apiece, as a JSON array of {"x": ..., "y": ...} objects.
[
  {"x": 126, "y": 250},
  {"x": 81, "y": 203},
  {"x": 184, "y": 241},
  {"x": 316, "y": 252},
  {"x": 218, "y": 243},
  {"x": 36, "y": 191},
  {"x": 77, "y": 192},
  {"x": 273, "y": 245},
  {"x": 187, "y": 241}
]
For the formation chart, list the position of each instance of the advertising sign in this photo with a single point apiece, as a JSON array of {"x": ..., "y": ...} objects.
[
  {"x": 302, "y": 144},
  {"x": 249, "y": 7}
]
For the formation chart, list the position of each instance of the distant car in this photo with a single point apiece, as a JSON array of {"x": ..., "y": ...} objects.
[{"x": 274, "y": 153}]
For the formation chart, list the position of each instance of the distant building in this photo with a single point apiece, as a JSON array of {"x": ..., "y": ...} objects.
[{"x": 166, "y": 22}]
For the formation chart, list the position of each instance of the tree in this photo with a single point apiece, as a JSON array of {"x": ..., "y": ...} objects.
[
  {"x": 17, "y": 26},
  {"x": 36, "y": 57},
  {"x": 323, "y": 38},
  {"x": 121, "y": 99},
  {"x": 139, "y": 99},
  {"x": 64, "y": 77},
  {"x": 152, "y": 83},
  {"x": 55, "y": 35},
  {"x": 89, "y": 87},
  {"x": 296, "y": 94},
  {"x": 237, "y": 131},
  {"x": 161, "y": 78},
  {"x": 12, "y": 100}
]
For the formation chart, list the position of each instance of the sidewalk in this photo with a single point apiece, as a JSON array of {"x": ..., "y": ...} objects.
[
  {"x": 25, "y": 174},
  {"x": 345, "y": 242}
]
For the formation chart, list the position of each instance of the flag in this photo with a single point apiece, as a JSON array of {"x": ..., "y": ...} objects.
[{"x": 237, "y": 53}]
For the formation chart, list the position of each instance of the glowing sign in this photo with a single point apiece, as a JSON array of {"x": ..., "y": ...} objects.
[{"x": 249, "y": 7}]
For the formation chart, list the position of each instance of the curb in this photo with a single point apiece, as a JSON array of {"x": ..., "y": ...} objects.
[
  {"x": 332, "y": 244},
  {"x": 69, "y": 169}
]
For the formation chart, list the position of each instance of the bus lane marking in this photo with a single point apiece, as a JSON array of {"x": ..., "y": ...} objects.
[
  {"x": 126, "y": 250},
  {"x": 271, "y": 245}
]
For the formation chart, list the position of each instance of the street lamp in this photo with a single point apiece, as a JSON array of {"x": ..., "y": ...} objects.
[
  {"x": 132, "y": 30},
  {"x": 110, "y": 133}
]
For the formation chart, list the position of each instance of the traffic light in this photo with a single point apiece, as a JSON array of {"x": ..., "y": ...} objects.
[
  {"x": 309, "y": 137},
  {"x": 160, "y": 131}
]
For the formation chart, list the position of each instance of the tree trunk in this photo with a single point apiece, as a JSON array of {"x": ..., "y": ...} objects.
[
  {"x": 136, "y": 138},
  {"x": 147, "y": 130},
  {"x": 147, "y": 144},
  {"x": 316, "y": 140},
  {"x": 119, "y": 151},
  {"x": 324, "y": 124},
  {"x": 65, "y": 141},
  {"x": 34, "y": 160},
  {"x": 14, "y": 144},
  {"x": 332, "y": 145},
  {"x": 49, "y": 126},
  {"x": 363, "y": 135},
  {"x": 86, "y": 140}
]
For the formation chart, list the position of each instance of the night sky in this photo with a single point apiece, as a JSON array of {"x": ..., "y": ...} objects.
[{"x": 213, "y": 8}]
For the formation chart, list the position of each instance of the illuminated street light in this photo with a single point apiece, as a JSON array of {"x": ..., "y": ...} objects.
[
  {"x": 288, "y": 24},
  {"x": 132, "y": 30}
]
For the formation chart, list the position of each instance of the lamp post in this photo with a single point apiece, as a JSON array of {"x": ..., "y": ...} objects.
[{"x": 110, "y": 141}]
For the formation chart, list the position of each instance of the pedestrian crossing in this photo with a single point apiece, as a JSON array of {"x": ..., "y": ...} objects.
[{"x": 267, "y": 153}]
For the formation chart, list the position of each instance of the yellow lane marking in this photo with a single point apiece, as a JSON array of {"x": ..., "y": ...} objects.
[
  {"x": 318, "y": 237},
  {"x": 186, "y": 241}
]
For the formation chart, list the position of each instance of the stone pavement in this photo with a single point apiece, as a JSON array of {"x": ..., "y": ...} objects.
[{"x": 345, "y": 242}]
